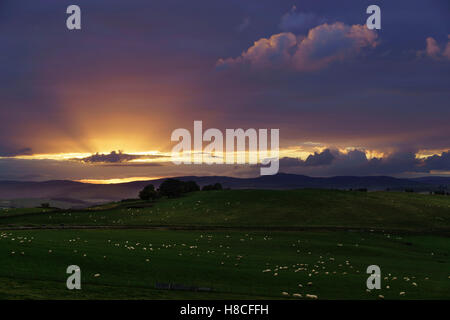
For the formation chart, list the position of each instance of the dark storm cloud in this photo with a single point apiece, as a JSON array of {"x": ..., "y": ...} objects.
[
  {"x": 319, "y": 159},
  {"x": 355, "y": 162},
  {"x": 323, "y": 158},
  {"x": 115, "y": 157},
  {"x": 437, "y": 162}
]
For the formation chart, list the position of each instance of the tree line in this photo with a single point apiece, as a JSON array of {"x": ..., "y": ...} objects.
[{"x": 173, "y": 188}]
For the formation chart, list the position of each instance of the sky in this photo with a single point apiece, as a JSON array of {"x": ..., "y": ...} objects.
[{"x": 100, "y": 103}]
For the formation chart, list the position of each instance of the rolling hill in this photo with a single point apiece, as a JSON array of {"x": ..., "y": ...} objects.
[
  {"x": 266, "y": 209},
  {"x": 72, "y": 191}
]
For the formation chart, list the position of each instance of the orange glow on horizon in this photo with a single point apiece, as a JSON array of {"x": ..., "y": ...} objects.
[
  {"x": 118, "y": 180},
  {"x": 158, "y": 156}
]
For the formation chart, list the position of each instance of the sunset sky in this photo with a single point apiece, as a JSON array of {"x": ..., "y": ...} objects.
[{"x": 347, "y": 100}]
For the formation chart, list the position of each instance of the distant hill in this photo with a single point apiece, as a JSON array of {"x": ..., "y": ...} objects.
[
  {"x": 442, "y": 181},
  {"x": 62, "y": 203},
  {"x": 72, "y": 191}
]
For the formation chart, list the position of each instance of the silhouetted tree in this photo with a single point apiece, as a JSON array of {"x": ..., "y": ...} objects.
[
  {"x": 171, "y": 188},
  {"x": 210, "y": 187},
  {"x": 148, "y": 193},
  {"x": 190, "y": 186}
]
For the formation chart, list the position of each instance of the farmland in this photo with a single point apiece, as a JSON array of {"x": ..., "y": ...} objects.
[
  {"x": 260, "y": 208},
  {"x": 238, "y": 244}
]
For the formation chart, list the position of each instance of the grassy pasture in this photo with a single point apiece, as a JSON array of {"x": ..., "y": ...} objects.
[
  {"x": 234, "y": 264},
  {"x": 409, "y": 242},
  {"x": 266, "y": 208}
]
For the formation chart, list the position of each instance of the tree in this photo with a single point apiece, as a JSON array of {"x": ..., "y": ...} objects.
[
  {"x": 210, "y": 187},
  {"x": 190, "y": 186},
  {"x": 171, "y": 188},
  {"x": 148, "y": 193}
]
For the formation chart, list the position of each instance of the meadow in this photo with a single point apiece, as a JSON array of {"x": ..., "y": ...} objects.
[
  {"x": 260, "y": 209},
  {"x": 255, "y": 244}
]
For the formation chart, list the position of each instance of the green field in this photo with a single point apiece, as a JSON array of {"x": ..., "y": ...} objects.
[
  {"x": 255, "y": 244},
  {"x": 264, "y": 208}
]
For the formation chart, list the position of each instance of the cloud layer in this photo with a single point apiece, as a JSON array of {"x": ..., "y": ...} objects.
[{"x": 355, "y": 162}]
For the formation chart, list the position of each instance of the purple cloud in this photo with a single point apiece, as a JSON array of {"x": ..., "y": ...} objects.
[
  {"x": 324, "y": 44},
  {"x": 355, "y": 162}
]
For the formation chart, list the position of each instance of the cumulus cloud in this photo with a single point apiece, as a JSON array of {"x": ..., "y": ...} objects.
[
  {"x": 319, "y": 159},
  {"x": 322, "y": 46},
  {"x": 299, "y": 22},
  {"x": 355, "y": 162},
  {"x": 435, "y": 51},
  {"x": 266, "y": 53}
]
